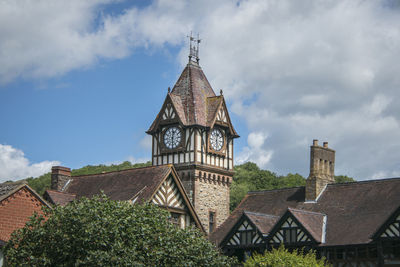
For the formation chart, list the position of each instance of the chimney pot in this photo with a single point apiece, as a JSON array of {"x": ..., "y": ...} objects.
[
  {"x": 326, "y": 144},
  {"x": 315, "y": 142}
]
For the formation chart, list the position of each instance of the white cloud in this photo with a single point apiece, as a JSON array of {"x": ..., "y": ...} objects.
[
  {"x": 297, "y": 70},
  {"x": 255, "y": 151},
  {"x": 14, "y": 165},
  {"x": 135, "y": 160},
  {"x": 48, "y": 38}
]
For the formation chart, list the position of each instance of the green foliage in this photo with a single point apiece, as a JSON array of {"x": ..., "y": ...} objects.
[
  {"x": 102, "y": 232},
  {"x": 90, "y": 169},
  {"x": 42, "y": 183},
  {"x": 344, "y": 179},
  {"x": 249, "y": 177},
  {"x": 281, "y": 257}
]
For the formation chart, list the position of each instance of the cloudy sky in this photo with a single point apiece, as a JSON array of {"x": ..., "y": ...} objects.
[{"x": 81, "y": 81}]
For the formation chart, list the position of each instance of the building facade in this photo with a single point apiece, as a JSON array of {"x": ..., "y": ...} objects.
[{"x": 351, "y": 224}]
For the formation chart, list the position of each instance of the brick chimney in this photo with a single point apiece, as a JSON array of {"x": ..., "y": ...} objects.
[
  {"x": 59, "y": 177},
  {"x": 322, "y": 170}
]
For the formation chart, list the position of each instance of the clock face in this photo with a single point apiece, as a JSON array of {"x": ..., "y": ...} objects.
[
  {"x": 172, "y": 137},
  {"x": 216, "y": 140}
]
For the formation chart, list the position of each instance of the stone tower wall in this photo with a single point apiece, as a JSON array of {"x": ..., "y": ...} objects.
[{"x": 212, "y": 194}]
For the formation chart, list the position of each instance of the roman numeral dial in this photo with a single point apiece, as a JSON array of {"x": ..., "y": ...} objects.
[
  {"x": 172, "y": 137},
  {"x": 216, "y": 140}
]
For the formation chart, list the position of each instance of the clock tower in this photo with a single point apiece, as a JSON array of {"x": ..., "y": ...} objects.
[{"x": 193, "y": 132}]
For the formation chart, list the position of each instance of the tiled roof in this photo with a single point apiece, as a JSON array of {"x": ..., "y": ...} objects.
[
  {"x": 263, "y": 222},
  {"x": 120, "y": 185},
  {"x": 212, "y": 108},
  {"x": 59, "y": 198},
  {"x": 193, "y": 89},
  {"x": 7, "y": 187},
  {"x": 354, "y": 210}
]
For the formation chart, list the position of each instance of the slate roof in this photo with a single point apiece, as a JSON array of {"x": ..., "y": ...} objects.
[
  {"x": 354, "y": 210},
  {"x": 193, "y": 90},
  {"x": 8, "y": 187},
  {"x": 59, "y": 198},
  {"x": 118, "y": 185},
  {"x": 212, "y": 108},
  {"x": 193, "y": 99}
]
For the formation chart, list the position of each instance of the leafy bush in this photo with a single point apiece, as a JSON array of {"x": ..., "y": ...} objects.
[
  {"x": 102, "y": 232},
  {"x": 281, "y": 257}
]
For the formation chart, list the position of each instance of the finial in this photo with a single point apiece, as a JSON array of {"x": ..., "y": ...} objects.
[
  {"x": 194, "y": 47},
  {"x": 169, "y": 89},
  {"x": 220, "y": 92}
]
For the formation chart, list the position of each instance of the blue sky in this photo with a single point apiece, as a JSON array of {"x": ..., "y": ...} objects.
[{"x": 80, "y": 82}]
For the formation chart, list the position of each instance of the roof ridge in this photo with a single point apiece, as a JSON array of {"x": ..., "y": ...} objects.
[
  {"x": 307, "y": 211},
  {"x": 60, "y": 192},
  {"x": 214, "y": 96},
  {"x": 152, "y": 166},
  {"x": 365, "y": 181},
  {"x": 260, "y": 214},
  {"x": 271, "y": 190}
]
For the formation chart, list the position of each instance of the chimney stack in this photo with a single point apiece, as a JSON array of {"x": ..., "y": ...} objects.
[
  {"x": 59, "y": 177},
  {"x": 322, "y": 170}
]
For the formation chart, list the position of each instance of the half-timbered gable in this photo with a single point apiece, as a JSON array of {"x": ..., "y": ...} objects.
[
  {"x": 168, "y": 195},
  {"x": 156, "y": 184},
  {"x": 218, "y": 114},
  {"x": 250, "y": 230},
  {"x": 299, "y": 228},
  {"x": 390, "y": 229}
]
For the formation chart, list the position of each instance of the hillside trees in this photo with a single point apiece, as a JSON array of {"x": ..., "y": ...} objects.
[{"x": 102, "y": 232}]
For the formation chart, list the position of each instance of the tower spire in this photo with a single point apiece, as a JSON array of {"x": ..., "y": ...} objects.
[{"x": 194, "y": 48}]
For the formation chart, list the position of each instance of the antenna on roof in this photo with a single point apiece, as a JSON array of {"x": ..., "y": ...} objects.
[{"x": 194, "y": 48}]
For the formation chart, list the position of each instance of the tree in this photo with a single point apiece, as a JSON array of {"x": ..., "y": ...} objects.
[
  {"x": 102, "y": 232},
  {"x": 281, "y": 257},
  {"x": 344, "y": 179}
]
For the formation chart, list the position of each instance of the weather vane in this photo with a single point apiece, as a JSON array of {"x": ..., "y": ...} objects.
[{"x": 194, "y": 48}]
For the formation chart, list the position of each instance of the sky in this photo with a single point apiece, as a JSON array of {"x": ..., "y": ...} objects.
[{"x": 81, "y": 81}]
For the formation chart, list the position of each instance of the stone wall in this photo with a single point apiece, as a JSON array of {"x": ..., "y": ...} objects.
[
  {"x": 59, "y": 177},
  {"x": 211, "y": 193},
  {"x": 322, "y": 170}
]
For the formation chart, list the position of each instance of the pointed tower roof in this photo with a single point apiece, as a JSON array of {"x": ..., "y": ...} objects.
[
  {"x": 193, "y": 89},
  {"x": 193, "y": 99}
]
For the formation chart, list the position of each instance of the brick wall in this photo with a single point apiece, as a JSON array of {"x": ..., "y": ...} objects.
[{"x": 15, "y": 211}]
